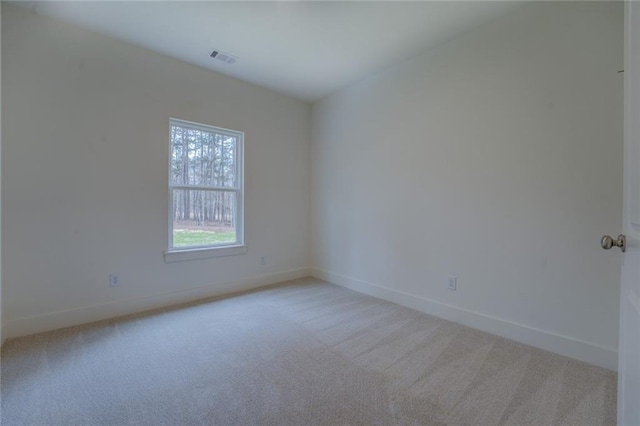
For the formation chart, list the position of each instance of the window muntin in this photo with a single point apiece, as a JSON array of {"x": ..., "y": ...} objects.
[{"x": 205, "y": 186}]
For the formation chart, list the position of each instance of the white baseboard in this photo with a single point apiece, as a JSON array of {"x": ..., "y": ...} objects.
[
  {"x": 54, "y": 320},
  {"x": 564, "y": 345}
]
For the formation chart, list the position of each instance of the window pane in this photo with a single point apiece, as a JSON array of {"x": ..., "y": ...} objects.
[
  {"x": 200, "y": 157},
  {"x": 203, "y": 217}
]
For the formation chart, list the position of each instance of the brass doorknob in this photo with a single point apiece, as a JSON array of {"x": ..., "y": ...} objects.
[{"x": 607, "y": 242}]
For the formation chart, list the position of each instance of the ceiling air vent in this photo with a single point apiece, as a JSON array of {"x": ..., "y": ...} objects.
[{"x": 224, "y": 57}]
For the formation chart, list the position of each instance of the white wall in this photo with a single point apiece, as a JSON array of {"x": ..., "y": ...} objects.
[
  {"x": 495, "y": 157},
  {"x": 85, "y": 146}
]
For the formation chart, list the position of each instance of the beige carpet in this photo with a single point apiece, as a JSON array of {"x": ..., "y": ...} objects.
[{"x": 304, "y": 353}]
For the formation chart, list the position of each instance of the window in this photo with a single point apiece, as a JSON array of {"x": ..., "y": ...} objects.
[{"x": 205, "y": 187}]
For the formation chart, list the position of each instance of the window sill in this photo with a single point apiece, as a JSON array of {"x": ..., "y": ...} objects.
[{"x": 203, "y": 253}]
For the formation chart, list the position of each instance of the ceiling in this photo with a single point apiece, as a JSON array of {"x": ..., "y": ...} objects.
[{"x": 305, "y": 49}]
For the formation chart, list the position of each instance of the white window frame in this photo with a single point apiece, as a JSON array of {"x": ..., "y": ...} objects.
[{"x": 177, "y": 254}]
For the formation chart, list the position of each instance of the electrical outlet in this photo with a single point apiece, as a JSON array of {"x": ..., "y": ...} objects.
[
  {"x": 114, "y": 280},
  {"x": 452, "y": 283},
  {"x": 263, "y": 260}
]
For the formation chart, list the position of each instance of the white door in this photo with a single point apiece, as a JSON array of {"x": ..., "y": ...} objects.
[{"x": 629, "y": 347}]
